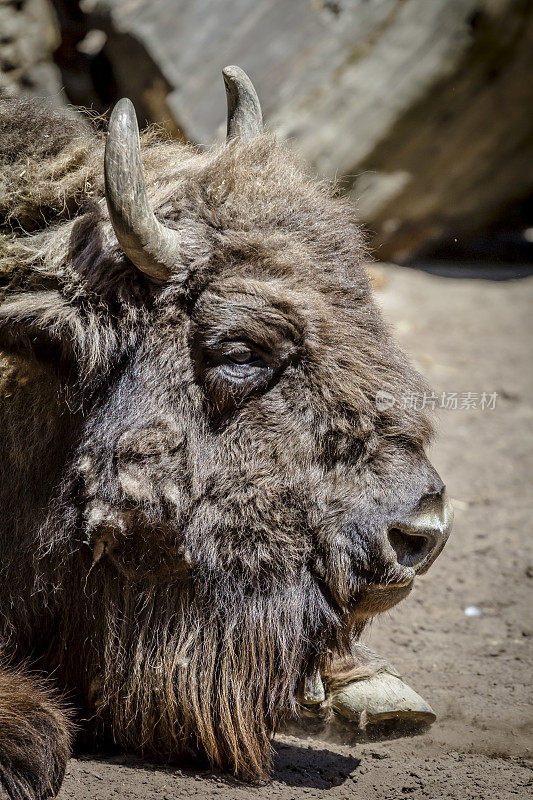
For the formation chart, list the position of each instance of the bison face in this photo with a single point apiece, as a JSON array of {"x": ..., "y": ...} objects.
[
  {"x": 310, "y": 473},
  {"x": 243, "y": 445},
  {"x": 244, "y": 438},
  {"x": 229, "y": 362}
]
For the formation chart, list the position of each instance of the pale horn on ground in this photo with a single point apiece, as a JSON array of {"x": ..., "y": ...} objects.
[{"x": 381, "y": 697}]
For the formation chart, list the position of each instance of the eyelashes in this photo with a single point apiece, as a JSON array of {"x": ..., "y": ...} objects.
[{"x": 243, "y": 355}]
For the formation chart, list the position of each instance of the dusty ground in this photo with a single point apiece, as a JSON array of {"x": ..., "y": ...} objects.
[{"x": 467, "y": 336}]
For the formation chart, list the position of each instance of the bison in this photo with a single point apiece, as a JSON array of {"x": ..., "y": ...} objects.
[{"x": 201, "y": 500}]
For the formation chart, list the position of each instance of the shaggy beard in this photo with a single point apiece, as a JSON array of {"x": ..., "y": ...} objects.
[
  {"x": 171, "y": 663},
  {"x": 179, "y": 668}
]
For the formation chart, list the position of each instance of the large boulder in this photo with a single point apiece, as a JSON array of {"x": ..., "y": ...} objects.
[
  {"x": 421, "y": 109},
  {"x": 29, "y": 34}
]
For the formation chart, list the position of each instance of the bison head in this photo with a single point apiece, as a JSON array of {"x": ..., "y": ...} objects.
[
  {"x": 246, "y": 500},
  {"x": 253, "y": 403}
]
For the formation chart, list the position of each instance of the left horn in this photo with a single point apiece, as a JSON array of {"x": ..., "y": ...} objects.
[
  {"x": 151, "y": 246},
  {"x": 244, "y": 112}
]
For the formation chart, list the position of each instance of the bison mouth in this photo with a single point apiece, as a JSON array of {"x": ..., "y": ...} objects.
[{"x": 375, "y": 599}]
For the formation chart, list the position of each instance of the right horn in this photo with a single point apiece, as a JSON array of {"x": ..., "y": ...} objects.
[
  {"x": 153, "y": 248},
  {"x": 244, "y": 112}
]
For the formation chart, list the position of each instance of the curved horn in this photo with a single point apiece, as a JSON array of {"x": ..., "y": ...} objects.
[
  {"x": 151, "y": 246},
  {"x": 244, "y": 112}
]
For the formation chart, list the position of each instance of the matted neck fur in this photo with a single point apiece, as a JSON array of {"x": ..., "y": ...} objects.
[{"x": 212, "y": 480}]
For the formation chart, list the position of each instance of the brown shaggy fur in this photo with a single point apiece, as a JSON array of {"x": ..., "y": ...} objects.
[
  {"x": 192, "y": 536},
  {"x": 35, "y": 734}
]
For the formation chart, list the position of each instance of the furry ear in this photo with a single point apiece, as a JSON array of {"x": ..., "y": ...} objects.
[
  {"x": 48, "y": 325},
  {"x": 83, "y": 314},
  {"x": 42, "y": 322}
]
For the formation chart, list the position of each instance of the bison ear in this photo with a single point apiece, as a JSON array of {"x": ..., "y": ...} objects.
[
  {"x": 41, "y": 322},
  {"x": 85, "y": 339},
  {"x": 45, "y": 324}
]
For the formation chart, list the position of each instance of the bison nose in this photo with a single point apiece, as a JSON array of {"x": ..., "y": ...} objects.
[{"x": 419, "y": 538}]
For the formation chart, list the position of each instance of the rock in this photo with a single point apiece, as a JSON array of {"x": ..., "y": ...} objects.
[
  {"x": 29, "y": 34},
  {"x": 421, "y": 109}
]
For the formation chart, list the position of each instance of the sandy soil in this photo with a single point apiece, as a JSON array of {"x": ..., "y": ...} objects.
[{"x": 466, "y": 336}]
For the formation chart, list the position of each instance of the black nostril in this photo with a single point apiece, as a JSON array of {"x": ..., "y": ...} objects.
[
  {"x": 418, "y": 538},
  {"x": 410, "y": 548}
]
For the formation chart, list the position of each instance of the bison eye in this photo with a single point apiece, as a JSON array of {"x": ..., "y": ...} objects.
[{"x": 243, "y": 355}]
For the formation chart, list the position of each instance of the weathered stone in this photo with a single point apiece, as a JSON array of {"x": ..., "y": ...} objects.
[
  {"x": 421, "y": 110},
  {"x": 28, "y": 37}
]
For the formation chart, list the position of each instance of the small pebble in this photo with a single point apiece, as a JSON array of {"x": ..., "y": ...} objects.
[{"x": 472, "y": 611}]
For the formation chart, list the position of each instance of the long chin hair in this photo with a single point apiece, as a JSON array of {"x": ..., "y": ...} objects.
[{"x": 170, "y": 670}]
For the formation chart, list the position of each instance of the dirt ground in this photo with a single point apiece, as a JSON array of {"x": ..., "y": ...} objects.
[{"x": 466, "y": 336}]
